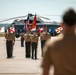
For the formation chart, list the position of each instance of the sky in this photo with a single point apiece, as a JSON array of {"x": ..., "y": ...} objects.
[{"x": 52, "y": 9}]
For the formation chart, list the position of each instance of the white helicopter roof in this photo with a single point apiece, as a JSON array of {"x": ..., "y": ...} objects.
[
  {"x": 37, "y": 18},
  {"x": 19, "y": 22}
]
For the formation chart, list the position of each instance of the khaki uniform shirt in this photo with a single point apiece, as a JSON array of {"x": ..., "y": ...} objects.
[
  {"x": 27, "y": 37},
  {"x": 42, "y": 37},
  {"x": 10, "y": 37},
  {"x": 34, "y": 38},
  {"x": 45, "y": 36},
  {"x": 22, "y": 35},
  {"x": 62, "y": 54}
]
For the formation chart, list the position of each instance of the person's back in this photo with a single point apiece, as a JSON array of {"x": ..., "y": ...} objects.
[{"x": 62, "y": 52}]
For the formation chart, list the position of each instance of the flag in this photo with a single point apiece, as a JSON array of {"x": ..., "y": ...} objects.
[
  {"x": 33, "y": 26},
  {"x": 43, "y": 27},
  {"x": 12, "y": 29},
  {"x": 2, "y": 29},
  {"x": 51, "y": 30},
  {"x": 33, "y": 29},
  {"x": 38, "y": 30},
  {"x": 26, "y": 23},
  {"x": 59, "y": 29}
]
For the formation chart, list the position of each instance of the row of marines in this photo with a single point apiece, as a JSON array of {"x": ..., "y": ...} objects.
[{"x": 31, "y": 43}]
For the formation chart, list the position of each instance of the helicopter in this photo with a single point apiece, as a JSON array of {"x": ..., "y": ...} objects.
[{"x": 39, "y": 22}]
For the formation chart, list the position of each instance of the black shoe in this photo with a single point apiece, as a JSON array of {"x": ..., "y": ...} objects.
[
  {"x": 8, "y": 57},
  {"x": 36, "y": 58},
  {"x": 32, "y": 58},
  {"x": 22, "y": 46},
  {"x": 12, "y": 56},
  {"x": 28, "y": 57}
]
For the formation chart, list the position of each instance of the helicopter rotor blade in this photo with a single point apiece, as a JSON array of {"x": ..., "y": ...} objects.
[
  {"x": 39, "y": 16},
  {"x": 13, "y": 18},
  {"x": 22, "y": 17},
  {"x": 43, "y": 17}
]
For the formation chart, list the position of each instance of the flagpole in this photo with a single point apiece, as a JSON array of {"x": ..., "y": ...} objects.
[{"x": 36, "y": 18}]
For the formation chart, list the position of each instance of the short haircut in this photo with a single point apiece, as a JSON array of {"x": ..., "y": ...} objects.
[{"x": 69, "y": 17}]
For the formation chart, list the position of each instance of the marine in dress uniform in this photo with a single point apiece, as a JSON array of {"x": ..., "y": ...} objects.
[
  {"x": 27, "y": 39},
  {"x": 10, "y": 41},
  {"x": 34, "y": 40},
  {"x": 44, "y": 37},
  {"x": 22, "y": 39}
]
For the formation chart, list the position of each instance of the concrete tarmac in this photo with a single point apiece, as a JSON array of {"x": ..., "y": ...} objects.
[{"x": 19, "y": 65}]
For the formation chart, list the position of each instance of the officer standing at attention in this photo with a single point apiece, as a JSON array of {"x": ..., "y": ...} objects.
[
  {"x": 22, "y": 39},
  {"x": 27, "y": 39},
  {"x": 44, "y": 37},
  {"x": 10, "y": 41},
  {"x": 42, "y": 42},
  {"x": 34, "y": 40}
]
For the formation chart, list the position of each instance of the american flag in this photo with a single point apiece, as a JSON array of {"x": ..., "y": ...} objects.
[{"x": 26, "y": 23}]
